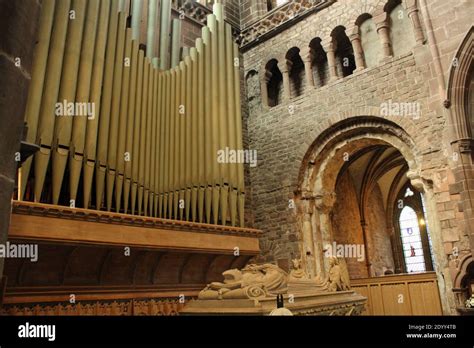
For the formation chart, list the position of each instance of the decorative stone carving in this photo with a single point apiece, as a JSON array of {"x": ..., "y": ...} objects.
[
  {"x": 254, "y": 281},
  {"x": 297, "y": 273},
  {"x": 338, "y": 275},
  {"x": 253, "y": 290},
  {"x": 267, "y": 280},
  {"x": 277, "y": 18}
]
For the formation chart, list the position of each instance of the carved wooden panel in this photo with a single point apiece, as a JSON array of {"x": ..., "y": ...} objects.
[{"x": 407, "y": 294}]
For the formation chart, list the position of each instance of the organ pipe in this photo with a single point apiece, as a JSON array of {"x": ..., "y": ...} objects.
[{"x": 155, "y": 139}]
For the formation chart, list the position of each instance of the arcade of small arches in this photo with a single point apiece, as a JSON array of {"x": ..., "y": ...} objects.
[{"x": 392, "y": 30}]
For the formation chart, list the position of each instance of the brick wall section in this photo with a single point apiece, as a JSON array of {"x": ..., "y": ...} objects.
[
  {"x": 282, "y": 139},
  {"x": 18, "y": 22},
  {"x": 232, "y": 12},
  {"x": 345, "y": 227},
  {"x": 251, "y": 10}
]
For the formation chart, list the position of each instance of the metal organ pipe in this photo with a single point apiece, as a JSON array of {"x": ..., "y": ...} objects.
[{"x": 154, "y": 139}]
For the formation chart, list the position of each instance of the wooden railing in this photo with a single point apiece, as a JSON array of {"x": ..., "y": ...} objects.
[{"x": 400, "y": 294}]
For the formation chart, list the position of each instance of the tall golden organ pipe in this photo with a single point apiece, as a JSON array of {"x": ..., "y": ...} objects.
[
  {"x": 137, "y": 133},
  {"x": 67, "y": 94},
  {"x": 231, "y": 134},
  {"x": 92, "y": 127},
  {"x": 121, "y": 140},
  {"x": 84, "y": 85},
  {"x": 106, "y": 103},
  {"x": 38, "y": 75},
  {"x": 50, "y": 95},
  {"x": 147, "y": 137},
  {"x": 214, "y": 127},
  {"x": 115, "y": 111},
  {"x": 143, "y": 131},
  {"x": 199, "y": 85},
  {"x": 155, "y": 137},
  {"x": 192, "y": 138},
  {"x": 128, "y": 155}
]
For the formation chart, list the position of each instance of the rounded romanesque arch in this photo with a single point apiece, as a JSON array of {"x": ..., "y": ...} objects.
[{"x": 366, "y": 160}]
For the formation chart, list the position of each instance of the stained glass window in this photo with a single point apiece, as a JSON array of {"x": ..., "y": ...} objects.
[{"x": 411, "y": 241}]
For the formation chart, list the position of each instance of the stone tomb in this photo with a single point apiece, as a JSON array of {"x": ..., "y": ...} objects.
[{"x": 253, "y": 291}]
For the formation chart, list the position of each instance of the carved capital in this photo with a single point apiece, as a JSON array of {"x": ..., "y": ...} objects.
[
  {"x": 325, "y": 201},
  {"x": 464, "y": 145},
  {"x": 419, "y": 182},
  {"x": 307, "y": 54},
  {"x": 285, "y": 65},
  {"x": 354, "y": 37},
  {"x": 381, "y": 20}
]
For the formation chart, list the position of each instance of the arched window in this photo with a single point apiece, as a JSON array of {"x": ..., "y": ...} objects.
[
  {"x": 344, "y": 52},
  {"x": 401, "y": 29},
  {"x": 411, "y": 241},
  {"x": 369, "y": 40},
  {"x": 319, "y": 63},
  {"x": 296, "y": 72},
  {"x": 274, "y": 82}
]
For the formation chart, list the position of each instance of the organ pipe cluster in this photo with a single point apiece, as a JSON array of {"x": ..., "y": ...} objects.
[{"x": 122, "y": 134}]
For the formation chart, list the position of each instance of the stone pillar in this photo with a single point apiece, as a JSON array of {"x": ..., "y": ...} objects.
[
  {"x": 285, "y": 66},
  {"x": 412, "y": 11},
  {"x": 381, "y": 22},
  {"x": 308, "y": 254},
  {"x": 307, "y": 56},
  {"x": 324, "y": 202},
  {"x": 358, "y": 52},
  {"x": 18, "y": 26},
  {"x": 397, "y": 251},
  {"x": 368, "y": 264},
  {"x": 330, "y": 49}
]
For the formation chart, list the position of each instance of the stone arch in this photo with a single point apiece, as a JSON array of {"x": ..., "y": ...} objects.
[
  {"x": 271, "y": 81},
  {"x": 401, "y": 31},
  {"x": 457, "y": 92},
  {"x": 253, "y": 90},
  {"x": 295, "y": 71},
  {"x": 319, "y": 62},
  {"x": 366, "y": 28},
  {"x": 344, "y": 51},
  {"x": 316, "y": 187}
]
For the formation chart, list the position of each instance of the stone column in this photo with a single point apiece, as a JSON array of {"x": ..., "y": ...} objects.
[
  {"x": 330, "y": 49},
  {"x": 308, "y": 243},
  {"x": 285, "y": 67},
  {"x": 16, "y": 57},
  {"x": 396, "y": 250},
  {"x": 381, "y": 22},
  {"x": 368, "y": 264},
  {"x": 324, "y": 202},
  {"x": 358, "y": 52},
  {"x": 307, "y": 56},
  {"x": 412, "y": 11}
]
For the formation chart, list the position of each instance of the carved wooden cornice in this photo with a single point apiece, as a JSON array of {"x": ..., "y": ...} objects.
[{"x": 61, "y": 212}]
